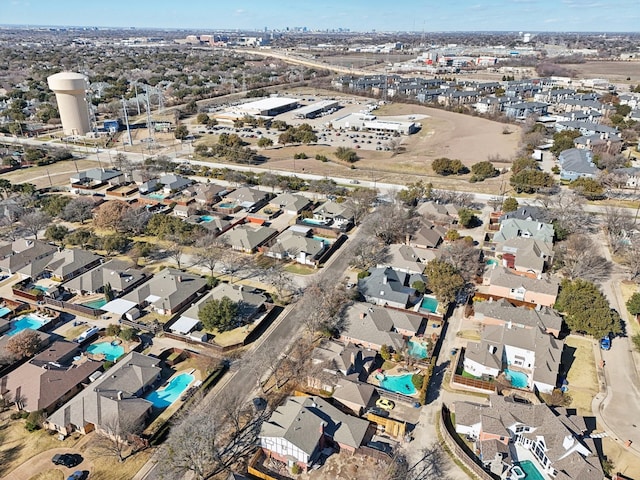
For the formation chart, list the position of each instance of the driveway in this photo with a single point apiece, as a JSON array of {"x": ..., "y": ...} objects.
[{"x": 42, "y": 463}]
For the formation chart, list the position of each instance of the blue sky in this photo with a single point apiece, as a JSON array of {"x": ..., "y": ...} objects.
[{"x": 357, "y": 15}]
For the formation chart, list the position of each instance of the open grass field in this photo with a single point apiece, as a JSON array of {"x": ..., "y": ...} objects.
[
  {"x": 55, "y": 174},
  {"x": 614, "y": 71},
  {"x": 49, "y": 475},
  {"x": 624, "y": 461},
  {"x": 583, "y": 381}
]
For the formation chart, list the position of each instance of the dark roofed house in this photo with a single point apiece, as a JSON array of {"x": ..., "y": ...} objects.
[
  {"x": 386, "y": 286},
  {"x": 117, "y": 396},
  {"x": 71, "y": 262},
  {"x": 49, "y": 378},
  {"x": 174, "y": 183},
  {"x": 23, "y": 254},
  {"x": 299, "y": 430},
  {"x": 526, "y": 212}
]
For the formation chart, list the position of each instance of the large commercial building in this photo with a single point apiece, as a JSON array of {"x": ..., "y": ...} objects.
[
  {"x": 361, "y": 121},
  {"x": 315, "y": 109},
  {"x": 267, "y": 107},
  {"x": 70, "y": 89}
]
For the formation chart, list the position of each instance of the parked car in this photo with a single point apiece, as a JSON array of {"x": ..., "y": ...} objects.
[
  {"x": 68, "y": 460},
  {"x": 378, "y": 411},
  {"x": 605, "y": 343},
  {"x": 78, "y": 475},
  {"x": 382, "y": 446},
  {"x": 385, "y": 403}
]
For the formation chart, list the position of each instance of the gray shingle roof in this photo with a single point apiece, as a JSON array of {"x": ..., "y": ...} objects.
[
  {"x": 502, "y": 277},
  {"x": 546, "y": 317},
  {"x": 299, "y": 421},
  {"x": 115, "y": 272},
  {"x": 514, "y": 227}
]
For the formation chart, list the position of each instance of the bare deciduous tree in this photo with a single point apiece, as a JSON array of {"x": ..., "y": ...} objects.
[
  {"x": 35, "y": 221},
  {"x": 617, "y": 225},
  {"x": 390, "y": 223},
  {"x": 463, "y": 255},
  {"x": 579, "y": 261},
  {"x": 367, "y": 252},
  {"x": 116, "y": 435}
]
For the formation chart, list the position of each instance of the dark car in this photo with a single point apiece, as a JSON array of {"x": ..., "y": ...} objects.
[
  {"x": 378, "y": 411},
  {"x": 78, "y": 475},
  {"x": 259, "y": 403},
  {"x": 68, "y": 460},
  {"x": 382, "y": 446}
]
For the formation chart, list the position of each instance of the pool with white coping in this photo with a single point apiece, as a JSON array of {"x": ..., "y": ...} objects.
[{"x": 163, "y": 397}]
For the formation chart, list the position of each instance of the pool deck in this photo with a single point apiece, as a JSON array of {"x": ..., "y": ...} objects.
[{"x": 524, "y": 454}]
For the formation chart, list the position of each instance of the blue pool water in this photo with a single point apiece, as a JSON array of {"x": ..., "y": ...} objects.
[
  {"x": 96, "y": 304},
  {"x": 41, "y": 288},
  {"x": 430, "y": 304},
  {"x": 22, "y": 323},
  {"x": 399, "y": 384},
  {"x": 4, "y": 311},
  {"x": 517, "y": 379},
  {"x": 156, "y": 196},
  {"x": 492, "y": 261},
  {"x": 226, "y": 205},
  {"x": 530, "y": 470},
  {"x": 324, "y": 240},
  {"x": 312, "y": 221},
  {"x": 418, "y": 349},
  {"x": 206, "y": 218},
  {"x": 164, "y": 397},
  {"x": 111, "y": 352}
]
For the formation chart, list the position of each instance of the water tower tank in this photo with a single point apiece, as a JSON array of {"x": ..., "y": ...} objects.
[{"x": 70, "y": 89}]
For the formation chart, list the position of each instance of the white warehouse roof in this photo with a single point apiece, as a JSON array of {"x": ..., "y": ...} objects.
[{"x": 260, "y": 107}]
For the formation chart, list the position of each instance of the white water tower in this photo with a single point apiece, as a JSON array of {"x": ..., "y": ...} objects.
[{"x": 70, "y": 89}]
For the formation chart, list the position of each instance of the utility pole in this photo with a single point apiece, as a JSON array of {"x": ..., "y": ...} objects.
[{"x": 126, "y": 120}]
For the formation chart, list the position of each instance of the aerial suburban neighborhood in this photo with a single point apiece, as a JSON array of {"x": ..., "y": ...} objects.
[{"x": 318, "y": 253}]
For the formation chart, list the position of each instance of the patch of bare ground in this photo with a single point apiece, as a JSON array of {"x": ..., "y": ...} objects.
[{"x": 614, "y": 71}]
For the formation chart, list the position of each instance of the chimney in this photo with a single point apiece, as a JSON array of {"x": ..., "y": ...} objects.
[
  {"x": 540, "y": 226},
  {"x": 119, "y": 394},
  {"x": 322, "y": 425},
  {"x": 179, "y": 278},
  {"x": 385, "y": 279},
  {"x": 362, "y": 315}
]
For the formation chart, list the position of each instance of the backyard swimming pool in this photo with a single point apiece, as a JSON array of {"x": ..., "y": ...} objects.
[
  {"x": 399, "y": 384},
  {"x": 156, "y": 196},
  {"x": 418, "y": 349},
  {"x": 206, "y": 218},
  {"x": 430, "y": 304},
  {"x": 27, "y": 321},
  {"x": 530, "y": 470},
  {"x": 491, "y": 261},
  {"x": 162, "y": 398},
  {"x": 517, "y": 379},
  {"x": 110, "y": 352},
  {"x": 96, "y": 304},
  {"x": 226, "y": 205},
  {"x": 4, "y": 311},
  {"x": 312, "y": 221}
]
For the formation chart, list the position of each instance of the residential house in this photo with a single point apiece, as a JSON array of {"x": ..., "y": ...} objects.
[
  {"x": 185, "y": 211},
  {"x": 353, "y": 394},
  {"x": 25, "y": 255},
  {"x": 428, "y": 235},
  {"x": 290, "y": 203},
  {"x": 527, "y": 255},
  {"x": 121, "y": 276},
  {"x": 529, "y": 352},
  {"x": 507, "y": 432},
  {"x": 248, "y": 239},
  {"x": 115, "y": 397},
  {"x": 349, "y": 360},
  {"x": 502, "y": 312},
  {"x": 516, "y": 228},
  {"x": 172, "y": 183},
  {"x": 526, "y": 212},
  {"x": 49, "y": 379},
  {"x": 373, "y": 326},
  {"x": 214, "y": 224},
  {"x": 69, "y": 263},
  {"x": 299, "y": 430},
  {"x": 334, "y": 214},
  {"x": 206, "y": 194},
  {"x": 440, "y": 214},
  {"x": 297, "y": 244},
  {"x": 576, "y": 163},
  {"x": 96, "y": 177},
  {"x": 407, "y": 259},
  {"x": 586, "y": 128},
  {"x": 502, "y": 283},
  {"x": 250, "y": 304},
  {"x": 250, "y": 199},
  {"x": 149, "y": 186},
  {"x": 387, "y": 286},
  {"x": 169, "y": 291}
]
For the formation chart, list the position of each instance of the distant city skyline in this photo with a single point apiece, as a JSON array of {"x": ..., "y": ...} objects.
[{"x": 355, "y": 15}]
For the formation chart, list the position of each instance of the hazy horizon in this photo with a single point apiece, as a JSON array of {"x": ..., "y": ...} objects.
[{"x": 592, "y": 16}]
